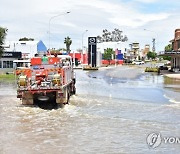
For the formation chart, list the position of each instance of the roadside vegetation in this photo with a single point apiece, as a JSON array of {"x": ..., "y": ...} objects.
[
  {"x": 109, "y": 54},
  {"x": 7, "y": 77},
  {"x": 3, "y": 33},
  {"x": 151, "y": 69}
]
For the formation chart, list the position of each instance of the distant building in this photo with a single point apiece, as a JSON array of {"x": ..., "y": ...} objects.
[
  {"x": 27, "y": 48},
  {"x": 133, "y": 53},
  {"x": 15, "y": 50},
  {"x": 145, "y": 51}
]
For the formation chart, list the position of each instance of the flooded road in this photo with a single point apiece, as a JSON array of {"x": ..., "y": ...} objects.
[{"x": 107, "y": 115}]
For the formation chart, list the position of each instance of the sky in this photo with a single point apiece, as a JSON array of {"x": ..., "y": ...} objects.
[{"x": 32, "y": 18}]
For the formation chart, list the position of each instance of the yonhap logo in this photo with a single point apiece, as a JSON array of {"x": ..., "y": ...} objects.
[{"x": 155, "y": 139}]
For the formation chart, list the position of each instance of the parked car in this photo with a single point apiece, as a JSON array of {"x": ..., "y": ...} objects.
[
  {"x": 138, "y": 62},
  {"x": 163, "y": 67}
]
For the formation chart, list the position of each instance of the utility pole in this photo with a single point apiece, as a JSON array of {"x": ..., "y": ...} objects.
[{"x": 154, "y": 44}]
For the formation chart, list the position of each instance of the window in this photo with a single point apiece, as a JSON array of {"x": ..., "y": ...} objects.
[
  {"x": 7, "y": 64},
  {"x": 178, "y": 44},
  {"x": 4, "y": 64},
  {"x": 173, "y": 45},
  {"x": 11, "y": 64}
]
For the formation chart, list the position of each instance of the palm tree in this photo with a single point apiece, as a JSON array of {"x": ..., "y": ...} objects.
[{"x": 68, "y": 43}]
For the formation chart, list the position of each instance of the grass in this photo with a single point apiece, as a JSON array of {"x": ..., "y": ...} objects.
[
  {"x": 151, "y": 69},
  {"x": 7, "y": 77}
]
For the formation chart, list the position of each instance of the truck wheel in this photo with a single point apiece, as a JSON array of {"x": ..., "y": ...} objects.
[
  {"x": 74, "y": 91},
  {"x": 74, "y": 81},
  {"x": 46, "y": 101},
  {"x": 67, "y": 95}
]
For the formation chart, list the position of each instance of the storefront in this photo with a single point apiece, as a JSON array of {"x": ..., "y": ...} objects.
[
  {"x": 175, "y": 60},
  {"x": 7, "y": 58}
]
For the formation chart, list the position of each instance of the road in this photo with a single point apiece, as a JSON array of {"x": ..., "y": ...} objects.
[{"x": 110, "y": 113}]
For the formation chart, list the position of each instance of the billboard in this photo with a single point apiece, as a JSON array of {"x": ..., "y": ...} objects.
[{"x": 11, "y": 55}]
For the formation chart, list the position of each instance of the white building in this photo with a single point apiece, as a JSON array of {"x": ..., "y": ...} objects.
[
  {"x": 15, "y": 50},
  {"x": 114, "y": 45},
  {"x": 27, "y": 48}
]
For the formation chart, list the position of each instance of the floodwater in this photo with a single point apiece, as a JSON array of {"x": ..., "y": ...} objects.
[{"x": 107, "y": 115}]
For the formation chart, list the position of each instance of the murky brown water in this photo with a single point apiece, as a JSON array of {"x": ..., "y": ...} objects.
[{"x": 106, "y": 116}]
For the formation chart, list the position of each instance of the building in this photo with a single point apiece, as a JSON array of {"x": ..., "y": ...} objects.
[
  {"x": 120, "y": 46},
  {"x": 27, "y": 48},
  {"x": 15, "y": 50},
  {"x": 6, "y": 60},
  {"x": 176, "y": 41},
  {"x": 133, "y": 53},
  {"x": 175, "y": 53},
  {"x": 145, "y": 51}
]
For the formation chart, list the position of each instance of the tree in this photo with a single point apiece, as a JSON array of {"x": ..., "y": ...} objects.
[
  {"x": 108, "y": 54},
  {"x": 151, "y": 55},
  {"x": 26, "y": 39},
  {"x": 68, "y": 43},
  {"x": 168, "y": 47},
  {"x": 3, "y": 33},
  {"x": 114, "y": 36}
]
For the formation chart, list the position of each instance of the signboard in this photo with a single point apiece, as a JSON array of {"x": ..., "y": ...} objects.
[
  {"x": 92, "y": 49},
  {"x": 172, "y": 52},
  {"x": 11, "y": 55}
]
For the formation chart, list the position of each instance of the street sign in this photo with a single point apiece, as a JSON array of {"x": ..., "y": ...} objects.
[
  {"x": 92, "y": 49},
  {"x": 92, "y": 40}
]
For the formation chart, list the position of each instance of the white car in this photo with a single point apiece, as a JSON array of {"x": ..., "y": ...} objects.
[{"x": 138, "y": 62}]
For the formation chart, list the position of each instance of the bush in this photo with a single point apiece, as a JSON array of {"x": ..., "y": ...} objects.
[{"x": 151, "y": 69}]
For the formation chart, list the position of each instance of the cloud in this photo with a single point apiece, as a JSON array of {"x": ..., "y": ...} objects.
[
  {"x": 146, "y": 1},
  {"x": 31, "y": 18},
  {"x": 138, "y": 20},
  {"x": 69, "y": 24}
]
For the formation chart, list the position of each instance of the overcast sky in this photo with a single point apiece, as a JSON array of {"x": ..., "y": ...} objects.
[{"x": 31, "y": 19}]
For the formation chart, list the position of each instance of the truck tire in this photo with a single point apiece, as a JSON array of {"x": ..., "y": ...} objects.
[
  {"x": 73, "y": 92},
  {"x": 41, "y": 101},
  {"x": 66, "y": 95}
]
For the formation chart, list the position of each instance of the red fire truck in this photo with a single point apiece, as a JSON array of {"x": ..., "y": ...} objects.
[{"x": 48, "y": 81}]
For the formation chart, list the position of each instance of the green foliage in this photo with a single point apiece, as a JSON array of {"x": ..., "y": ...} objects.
[
  {"x": 6, "y": 77},
  {"x": 3, "y": 33},
  {"x": 68, "y": 43},
  {"x": 166, "y": 57},
  {"x": 26, "y": 39},
  {"x": 108, "y": 54},
  {"x": 168, "y": 47},
  {"x": 151, "y": 69},
  {"x": 62, "y": 49},
  {"x": 151, "y": 55}
]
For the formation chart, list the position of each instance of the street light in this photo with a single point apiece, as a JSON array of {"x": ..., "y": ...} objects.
[
  {"x": 82, "y": 45},
  {"x": 50, "y": 23}
]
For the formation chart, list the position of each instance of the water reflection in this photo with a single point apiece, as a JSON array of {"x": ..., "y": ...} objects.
[{"x": 94, "y": 122}]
